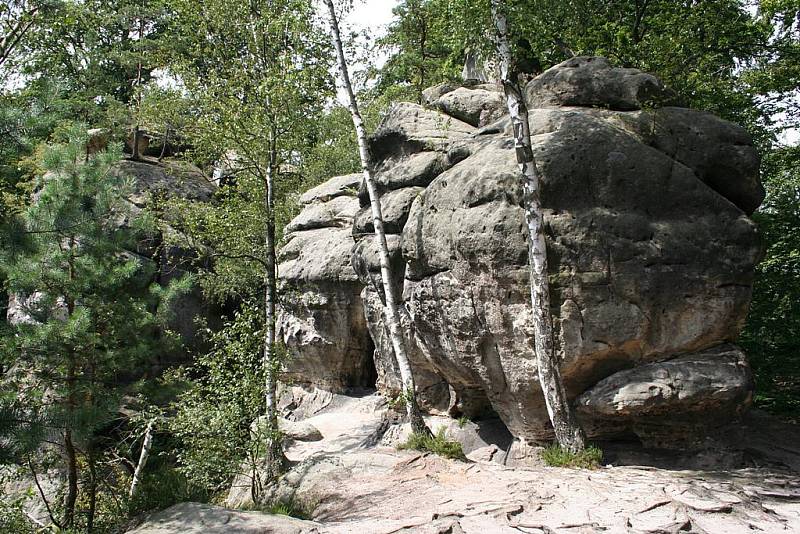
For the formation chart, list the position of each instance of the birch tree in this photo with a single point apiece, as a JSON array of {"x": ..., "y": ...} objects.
[
  {"x": 391, "y": 305},
  {"x": 147, "y": 443},
  {"x": 565, "y": 425},
  {"x": 255, "y": 72}
]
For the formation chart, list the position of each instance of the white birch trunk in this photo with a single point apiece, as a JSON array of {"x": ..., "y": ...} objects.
[
  {"x": 275, "y": 459},
  {"x": 391, "y": 311},
  {"x": 143, "y": 456},
  {"x": 565, "y": 425}
]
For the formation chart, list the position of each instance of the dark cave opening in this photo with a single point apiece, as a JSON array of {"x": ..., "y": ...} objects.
[{"x": 369, "y": 372}]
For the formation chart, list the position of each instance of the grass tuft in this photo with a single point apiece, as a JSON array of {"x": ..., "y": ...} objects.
[
  {"x": 555, "y": 456},
  {"x": 437, "y": 444},
  {"x": 299, "y": 509},
  {"x": 289, "y": 509}
]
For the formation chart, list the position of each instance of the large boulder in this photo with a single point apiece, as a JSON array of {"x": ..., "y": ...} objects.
[
  {"x": 651, "y": 254},
  {"x": 592, "y": 81},
  {"x": 477, "y": 105}
]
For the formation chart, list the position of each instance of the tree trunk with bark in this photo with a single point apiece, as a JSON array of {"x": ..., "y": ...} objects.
[
  {"x": 565, "y": 425},
  {"x": 275, "y": 459},
  {"x": 70, "y": 454},
  {"x": 391, "y": 311},
  {"x": 71, "y": 497},
  {"x": 143, "y": 456},
  {"x": 91, "y": 462}
]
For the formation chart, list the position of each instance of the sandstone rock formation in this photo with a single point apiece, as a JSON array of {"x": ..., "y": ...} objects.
[
  {"x": 322, "y": 320},
  {"x": 650, "y": 246}
]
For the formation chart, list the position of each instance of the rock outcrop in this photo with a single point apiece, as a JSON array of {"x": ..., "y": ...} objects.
[
  {"x": 322, "y": 319},
  {"x": 650, "y": 246}
]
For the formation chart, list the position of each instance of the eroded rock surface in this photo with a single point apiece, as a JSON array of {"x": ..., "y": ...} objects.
[
  {"x": 321, "y": 319},
  {"x": 197, "y": 518},
  {"x": 650, "y": 247},
  {"x": 351, "y": 487}
]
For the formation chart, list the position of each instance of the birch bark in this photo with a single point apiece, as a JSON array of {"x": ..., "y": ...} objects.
[
  {"x": 565, "y": 425},
  {"x": 391, "y": 312},
  {"x": 143, "y": 456},
  {"x": 276, "y": 460}
]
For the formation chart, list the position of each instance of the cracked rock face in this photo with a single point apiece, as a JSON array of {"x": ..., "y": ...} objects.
[
  {"x": 651, "y": 253},
  {"x": 321, "y": 318}
]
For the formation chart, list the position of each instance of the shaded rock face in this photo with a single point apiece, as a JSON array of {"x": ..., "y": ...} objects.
[
  {"x": 173, "y": 179},
  {"x": 321, "y": 318},
  {"x": 651, "y": 253},
  {"x": 149, "y": 177}
]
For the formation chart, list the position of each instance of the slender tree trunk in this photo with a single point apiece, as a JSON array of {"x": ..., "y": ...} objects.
[
  {"x": 137, "y": 132},
  {"x": 70, "y": 455},
  {"x": 276, "y": 461},
  {"x": 143, "y": 456},
  {"x": 565, "y": 425},
  {"x": 71, "y": 497},
  {"x": 391, "y": 311},
  {"x": 43, "y": 496},
  {"x": 164, "y": 145},
  {"x": 92, "y": 491}
]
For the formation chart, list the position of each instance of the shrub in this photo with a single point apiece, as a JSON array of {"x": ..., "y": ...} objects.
[
  {"x": 163, "y": 488},
  {"x": 589, "y": 458},
  {"x": 437, "y": 444}
]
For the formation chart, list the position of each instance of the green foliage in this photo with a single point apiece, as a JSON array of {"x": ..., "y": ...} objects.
[
  {"x": 420, "y": 38},
  {"x": 462, "y": 421},
  {"x": 92, "y": 312},
  {"x": 163, "y": 487},
  {"x": 772, "y": 336},
  {"x": 213, "y": 417},
  {"x": 291, "y": 507},
  {"x": 589, "y": 458},
  {"x": 333, "y": 150},
  {"x": 95, "y": 73},
  {"x": 437, "y": 444}
]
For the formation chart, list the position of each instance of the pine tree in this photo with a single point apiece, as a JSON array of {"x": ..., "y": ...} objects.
[{"x": 88, "y": 310}]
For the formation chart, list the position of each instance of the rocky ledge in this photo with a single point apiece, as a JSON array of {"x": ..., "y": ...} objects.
[{"x": 651, "y": 253}]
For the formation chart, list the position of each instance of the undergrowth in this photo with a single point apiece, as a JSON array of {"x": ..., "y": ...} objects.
[
  {"x": 589, "y": 458},
  {"x": 437, "y": 444},
  {"x": 288, "y": 507},
  {"x": 291, "y": 509}
]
